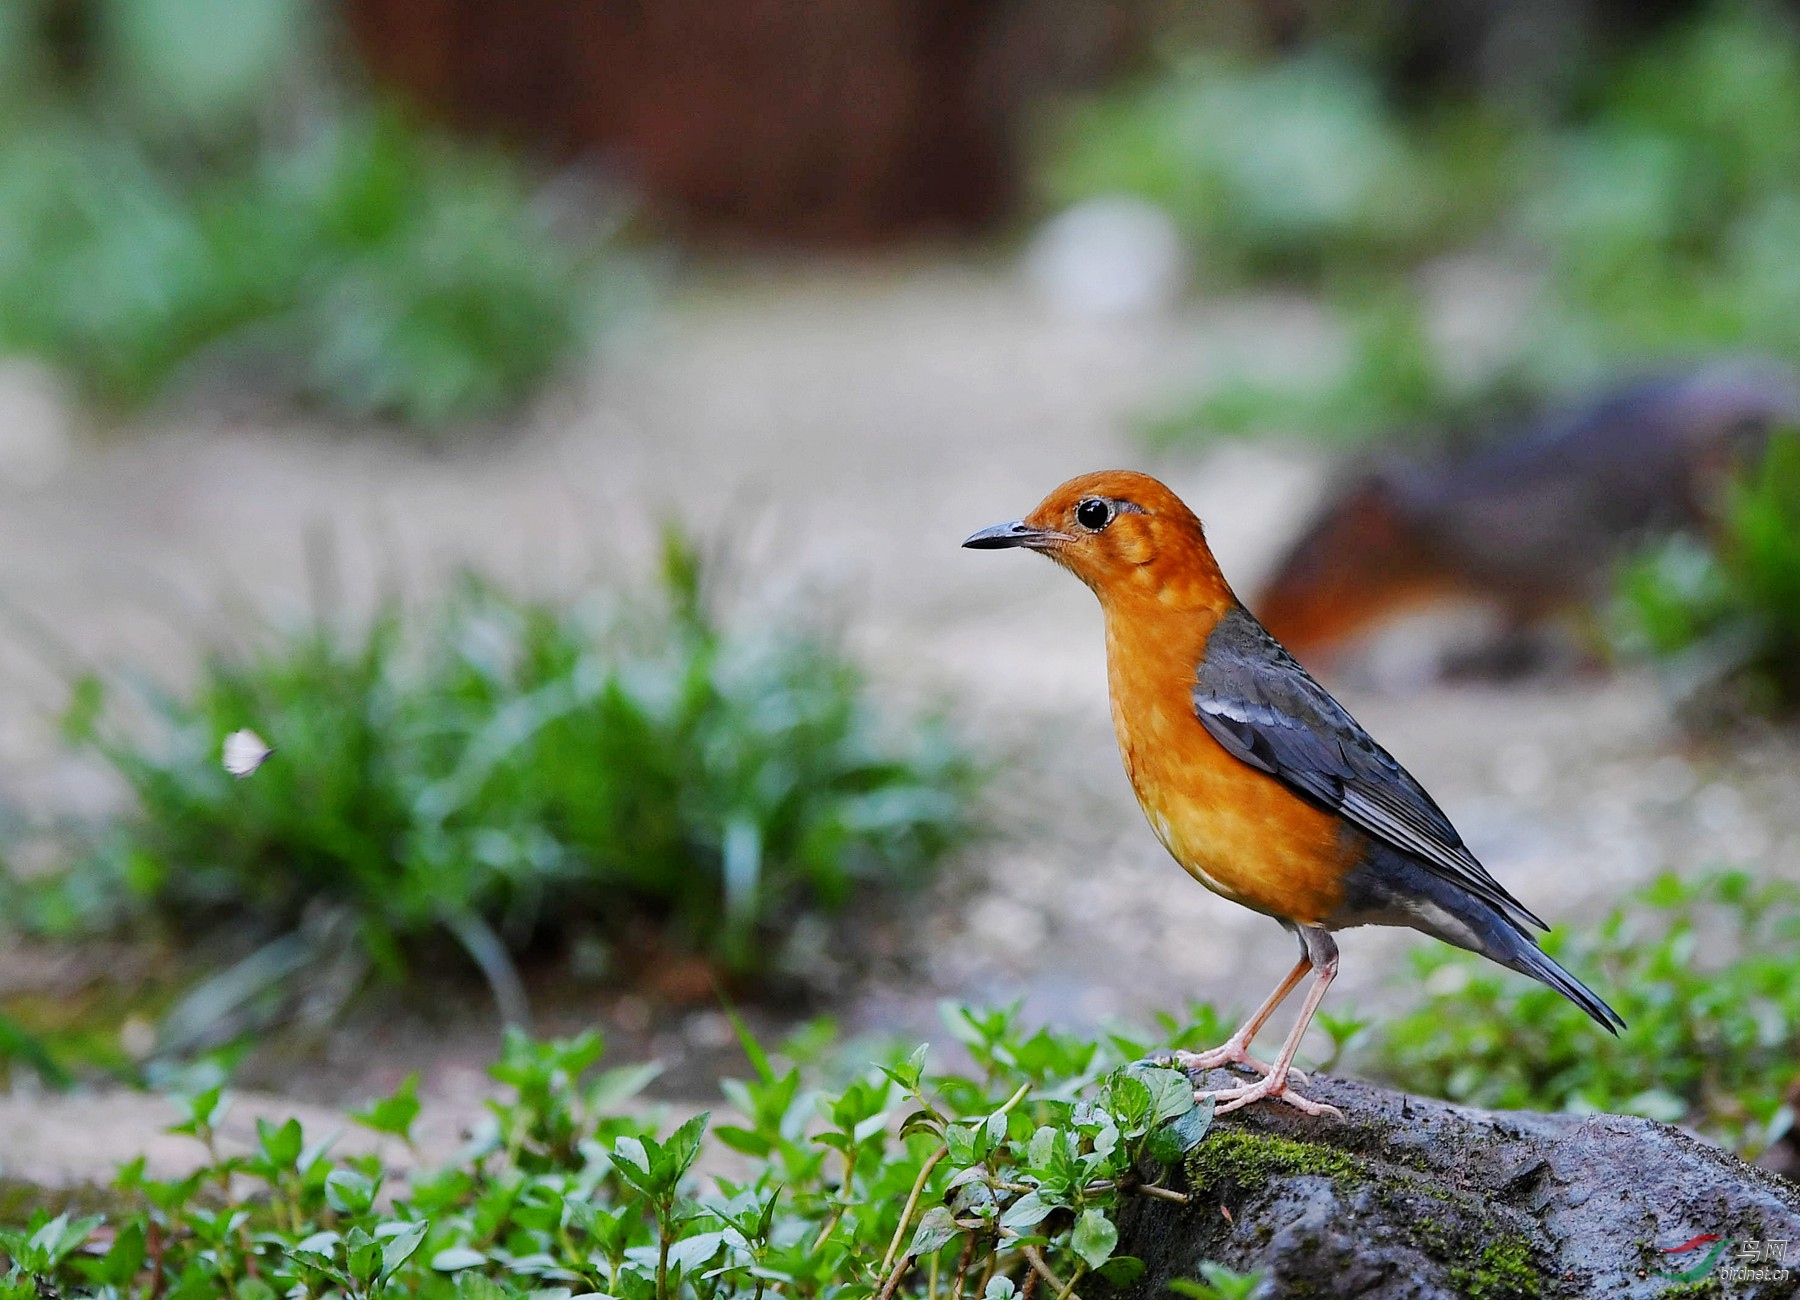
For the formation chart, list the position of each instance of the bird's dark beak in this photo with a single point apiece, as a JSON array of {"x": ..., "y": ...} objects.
[{"x": 1017, "y": 533}]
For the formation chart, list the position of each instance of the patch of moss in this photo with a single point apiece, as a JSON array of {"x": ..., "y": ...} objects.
[
  {"x": 1484, "y": 1260},
  {"x": 1247, "y": 1161},
  {"x": 1502, "y": 1272}
]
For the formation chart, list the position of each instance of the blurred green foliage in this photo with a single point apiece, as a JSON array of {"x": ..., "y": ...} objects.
[
  {"x": 1390, "y": 385},
  {"x": 1722, "y": 614},
  {"x": 1004, "y": 1179},
  {"x": 1296, "y": 167},
  {"x": 1658, "y": 214},
  {"x": 504, "y": 771},
  {"x": 1669, "y": 214},
  {"x": 182, "y": 181},
  {"x": 1702, "y": 972}
]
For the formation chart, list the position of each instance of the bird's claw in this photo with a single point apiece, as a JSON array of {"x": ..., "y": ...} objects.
[
  {"x": 1219, "y": 1057},
  {"x": 1267, "y": 1088}
]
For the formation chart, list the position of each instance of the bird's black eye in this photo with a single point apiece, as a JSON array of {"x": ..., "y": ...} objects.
[{"x": 1093, "y": 513}]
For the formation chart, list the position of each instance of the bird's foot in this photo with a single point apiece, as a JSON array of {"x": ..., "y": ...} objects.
[
  {"x": 1231, "y": 1053},
  {"x": 1271, "y": 1087}
]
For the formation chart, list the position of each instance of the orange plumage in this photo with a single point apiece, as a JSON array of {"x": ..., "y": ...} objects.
[
  {"x": 1257, "y": 782},
  {"x": 1236, "y": 830}
]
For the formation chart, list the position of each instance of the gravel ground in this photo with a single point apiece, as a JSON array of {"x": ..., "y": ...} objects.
[{"x": 845, "y": 428}]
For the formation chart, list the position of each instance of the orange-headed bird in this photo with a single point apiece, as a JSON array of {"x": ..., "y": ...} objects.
[{"x": 1257, "y": 782}]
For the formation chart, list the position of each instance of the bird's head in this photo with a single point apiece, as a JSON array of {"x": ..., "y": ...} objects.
[{"x": 1121, "y": 533}]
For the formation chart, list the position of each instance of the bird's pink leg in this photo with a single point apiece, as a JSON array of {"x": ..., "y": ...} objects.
[
  {"x": 1236, "y": 1049},
  {"x": 1274, "y": 1084}
]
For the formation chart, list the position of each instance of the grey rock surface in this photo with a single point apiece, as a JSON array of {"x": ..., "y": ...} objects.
[{"x": 1417, "y": 1199}]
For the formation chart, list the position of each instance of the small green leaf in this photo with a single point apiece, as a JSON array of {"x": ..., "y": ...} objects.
[
  {"x": 961, "y": 1143},
  {"x": 684, "y": 1143},
  {"x": 1028, "y": 1211},
  {"x": 126, "y": 1256},
  {"x": 281, "y": 1145},
  {"x": 996, "y": 1130},
  {"x": 202, "y": 1110},
  {"x": 1171, "y": 1091},
  {"x": 1193, "y": 1127},
  {"x": 362, "y": 1255},
  {"x": 1122, "y": 1270},
  {"x": 915, "y": 1064},
  {"x": 630, "y": 1151},
  {"x": 1094, "y": 1238},
  {"x": 908, "y": 1073},
  {"x": 1164, "y": 1145},
  {"x": 320, "y": 1243},
  {"x": 398, "y": 1245},
  {"x": 920, "y": 1121},
  {"x": 744, "y": 1140},
  {"x": 616, "y": 1087},
  {"x": 937, "y": 1228},
  {"x": 478, "y": 1286},
  {"x": 692, "y": 1252},
  {"x": 349, "y": 1192},
  {"x": 393, "y": 1115},
  {"x": 454, "y": 1258}
]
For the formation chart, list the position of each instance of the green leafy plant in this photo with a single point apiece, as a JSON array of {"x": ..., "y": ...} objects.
[
  {"x": 166, "y": 211},
  {"x": 1725, "y": 612},
  {"x": 500, "y": 771},
  {"x": 1007, "y": 1177},
  {"x": 1701, "y": 970}
]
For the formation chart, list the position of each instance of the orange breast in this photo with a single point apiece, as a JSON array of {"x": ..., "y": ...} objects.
[{"x": 1238, "y": 831}]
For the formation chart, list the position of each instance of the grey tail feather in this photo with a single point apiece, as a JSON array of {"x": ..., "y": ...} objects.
[
  {"x": 1486, "y": 930},
  {"x": 1395, "y": 889},
  {"x": 1529, "y": 959}
]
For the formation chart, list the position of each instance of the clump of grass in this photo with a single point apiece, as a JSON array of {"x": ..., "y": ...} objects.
[
  {"x": 1723, "y": 614},
  {"x": 160, "y": 213},
  {"x": 503, "y": 771},
  {"x": 1702, "y": 972},
  {"x": 1001, "y": 1180}
]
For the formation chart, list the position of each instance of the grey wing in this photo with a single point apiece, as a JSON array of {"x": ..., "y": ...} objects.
[{"x": 1267, "y": 711}]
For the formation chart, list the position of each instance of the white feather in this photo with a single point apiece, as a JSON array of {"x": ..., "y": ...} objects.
[{"x": 244, "y": 752}]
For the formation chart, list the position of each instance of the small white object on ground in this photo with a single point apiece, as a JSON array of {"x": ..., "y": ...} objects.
[
  {"x": 244, "y": 752},
  {"x": 1108, "y": 258}
]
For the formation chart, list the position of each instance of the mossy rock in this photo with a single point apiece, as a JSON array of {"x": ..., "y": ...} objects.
[
  {"x": 1411, "y": 1199},
  {"x": 1237, "y": 1160}
]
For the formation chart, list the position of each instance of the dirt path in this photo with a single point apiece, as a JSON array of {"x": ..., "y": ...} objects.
[{"x": 848, "y": 429}]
